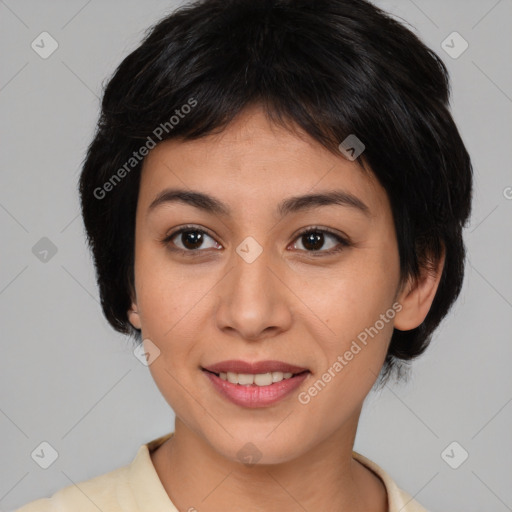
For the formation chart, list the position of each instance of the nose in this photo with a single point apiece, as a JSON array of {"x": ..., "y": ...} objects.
[{"x": 253, "y": 301}]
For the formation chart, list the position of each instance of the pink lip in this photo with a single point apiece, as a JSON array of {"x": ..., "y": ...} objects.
[
  {"x": 256, "y": 396},
  {"x": 238, "y": 366}
]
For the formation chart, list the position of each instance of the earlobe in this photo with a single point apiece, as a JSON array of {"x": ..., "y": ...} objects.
[
  {"x": 133, "y": 316},
  {"x": 417, "y": 296}
]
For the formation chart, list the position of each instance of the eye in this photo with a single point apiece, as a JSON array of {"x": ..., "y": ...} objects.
[
  {"x": 313, "y": 239},
  {"x": 189, "y": 239}
]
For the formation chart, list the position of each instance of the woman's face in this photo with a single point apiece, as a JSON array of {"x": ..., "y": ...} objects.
[{"x": 245, "y": 284}]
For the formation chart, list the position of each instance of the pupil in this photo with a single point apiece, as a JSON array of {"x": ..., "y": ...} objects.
[
  {"x": 311, "y": 238},
  {"x": 192, "y": 239}
]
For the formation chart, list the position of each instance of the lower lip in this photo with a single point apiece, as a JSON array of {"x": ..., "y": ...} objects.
[{"x": 253, "y": 395}]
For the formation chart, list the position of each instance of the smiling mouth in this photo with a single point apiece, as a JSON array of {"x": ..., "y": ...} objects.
[{"x": 258, "y": 379}]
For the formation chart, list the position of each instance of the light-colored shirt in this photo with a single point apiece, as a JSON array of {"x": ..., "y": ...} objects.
[{"x": 137, "y": 488}]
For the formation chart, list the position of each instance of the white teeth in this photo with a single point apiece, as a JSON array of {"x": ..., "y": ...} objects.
[
  {"x": 277, "y": 376},
  {"x": 245, "y": 379},
  {"x": 260, "y": 379},
  {"x": 232, "y": 377}
]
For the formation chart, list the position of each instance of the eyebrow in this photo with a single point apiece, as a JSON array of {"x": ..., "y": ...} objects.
[{"x": 210, "y": 204}]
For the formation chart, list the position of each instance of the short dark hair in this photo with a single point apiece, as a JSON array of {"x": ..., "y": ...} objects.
[{"x": 330, "y": 67}]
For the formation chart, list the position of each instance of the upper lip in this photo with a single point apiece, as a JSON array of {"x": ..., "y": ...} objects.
[{"x": 238, "y": 366}]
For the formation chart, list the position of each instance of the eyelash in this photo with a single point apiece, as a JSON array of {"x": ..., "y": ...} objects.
[{"x": 343, "y": 242}]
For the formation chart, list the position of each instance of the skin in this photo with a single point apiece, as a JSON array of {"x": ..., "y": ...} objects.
[{"x": 286, "y": 305}]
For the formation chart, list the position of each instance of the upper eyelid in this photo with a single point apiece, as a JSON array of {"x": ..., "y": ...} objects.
[{"x": 188, "y": 228}]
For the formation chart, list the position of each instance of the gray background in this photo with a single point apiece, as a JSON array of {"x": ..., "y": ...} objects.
[{"x": 67, "y": 378}]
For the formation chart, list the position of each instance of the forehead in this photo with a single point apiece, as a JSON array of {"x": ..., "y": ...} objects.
[{"x": 255, "y": 162}]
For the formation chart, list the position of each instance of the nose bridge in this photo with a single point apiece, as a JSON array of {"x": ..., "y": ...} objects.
[
  {"x": 251, "y": 299},
  {"x": 251, "y": 275}
]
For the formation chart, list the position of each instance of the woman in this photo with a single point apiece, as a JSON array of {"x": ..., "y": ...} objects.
[{"x": 270, "y": 202}]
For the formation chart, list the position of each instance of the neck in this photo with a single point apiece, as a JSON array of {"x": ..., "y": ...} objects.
[{"x": 325, "y": 477}]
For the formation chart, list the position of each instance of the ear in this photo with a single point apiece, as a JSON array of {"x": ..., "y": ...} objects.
[
  {"x": 133, "y": 316},
  {"x": 417, "y": 295}
]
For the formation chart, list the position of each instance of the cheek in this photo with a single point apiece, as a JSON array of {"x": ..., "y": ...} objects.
[
  {"x": 356, "y": 309},
  {"x": 169, "y": 296},
  {"x": 352, "y": 351},
  {"x": 353, "y": 297}
]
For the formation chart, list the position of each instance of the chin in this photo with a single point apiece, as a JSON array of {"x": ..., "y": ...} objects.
[{"x": 257, "y": 448}]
